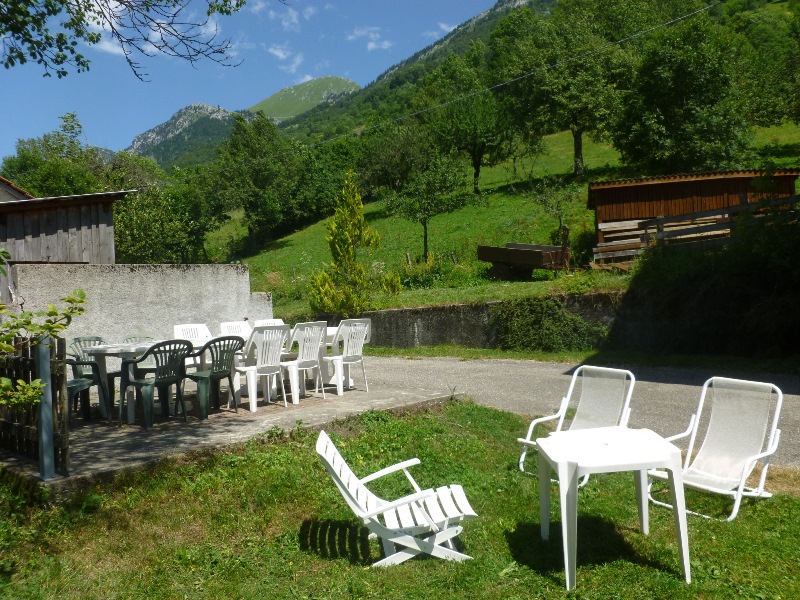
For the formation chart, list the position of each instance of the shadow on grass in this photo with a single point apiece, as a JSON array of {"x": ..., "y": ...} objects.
[
  {"x": 599, "y": 542},
  {"x": 336, "y": 539}
]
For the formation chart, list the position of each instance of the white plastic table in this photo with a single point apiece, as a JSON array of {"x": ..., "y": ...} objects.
[
  {"x": 101, "y": 352},
  {"x": 573, "y": 454}
]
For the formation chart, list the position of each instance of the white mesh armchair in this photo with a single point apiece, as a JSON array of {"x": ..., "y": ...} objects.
[
  {"x": 600, "y": 396},
  {"x": 736, "y": 427}
]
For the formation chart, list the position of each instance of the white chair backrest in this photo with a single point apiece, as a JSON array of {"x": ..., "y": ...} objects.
[
  {"x": 309, "y": 336},
  {"x": 355, "y": 493},
  {"x": 240, "y": 328},
  {"x": 354, "y": 333},
  {"x": 269, "y": 341},
  {"x": 192, "y": 331},
  {"x": 268, "y": 322},
  {"x": 605, "y": 397},
  {"x": 740, "y": 424}
]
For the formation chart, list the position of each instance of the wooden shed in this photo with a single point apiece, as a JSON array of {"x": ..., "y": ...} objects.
[
  {"x": 63, "y": 229},
  {"x": 697, "y": 204}
]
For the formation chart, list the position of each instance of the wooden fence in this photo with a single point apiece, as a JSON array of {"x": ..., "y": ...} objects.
[
  {"x": 624, "y": 240},
  {"x": 39, "y": 432}
]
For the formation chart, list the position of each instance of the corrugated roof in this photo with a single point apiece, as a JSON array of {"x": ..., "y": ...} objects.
[
  {"x": 690, "y": 177},
  {"x": 75, "y": 199}
]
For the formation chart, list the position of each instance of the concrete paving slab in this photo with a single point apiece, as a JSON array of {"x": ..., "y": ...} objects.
[{"x": 663, "y": 400}]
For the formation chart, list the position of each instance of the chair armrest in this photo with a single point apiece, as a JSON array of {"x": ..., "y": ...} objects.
[
  {"x": 84, "y": 363},
  {"x": 683, "y": 434},
  {"x": 410, "y": 499},
  {"x": 528, "y": 438},
  {"x": 401, "y": 466}
]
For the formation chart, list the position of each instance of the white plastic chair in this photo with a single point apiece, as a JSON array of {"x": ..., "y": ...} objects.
[
  {"x": 309, "y": 338},
  {"x": 240, "y": 328},
  {"x": 265, "y": 346},
  {"x": 268, "y": 322},
  {"x": 424, "y": 522},
  {"x": 194, "y": 332},
  {"x": 604, "y": 401},
  {"x": 351, "y": 334},
  {"x": 737, "y": 421}
]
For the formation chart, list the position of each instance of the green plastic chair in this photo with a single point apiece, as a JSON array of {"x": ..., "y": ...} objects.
[
  {"x": 84, "y": 366},
  {"x": 79, "y": 388},
  {"x": 169, "y": 359},
  {"x": 222, "y": 352}
]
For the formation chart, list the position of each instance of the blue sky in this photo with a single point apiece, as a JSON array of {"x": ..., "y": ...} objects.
[{"x": 279, "y": 45}]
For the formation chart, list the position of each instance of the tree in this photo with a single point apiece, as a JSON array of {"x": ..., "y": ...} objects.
[
  {"x": 462, "y": 114},
  {"x": 566, "y": 72},
  {"x": 345, "y": 286},
  {"x": 57, "y": 164},
  {"x": 257, "y": 170},
  {"x": 684, "y": 112},
  {"x": 27, "y": 31},
  {"x": 433, "y": 191},
  {"x": 393, "y": 155}
]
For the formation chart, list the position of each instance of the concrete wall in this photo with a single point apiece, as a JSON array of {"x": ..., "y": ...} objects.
[
  {"x": 461, "y": 324},
  {"x": 149, "y": 299},
  {"x": 468, "y": 324}
]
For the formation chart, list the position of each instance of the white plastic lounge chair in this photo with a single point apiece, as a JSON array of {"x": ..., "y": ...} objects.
[
  {"x": 605, "y": 396},
  {"x": 351, "y": 334},
  {"x": 738, "y": 423},
  {"x": 424, "y": 522}
]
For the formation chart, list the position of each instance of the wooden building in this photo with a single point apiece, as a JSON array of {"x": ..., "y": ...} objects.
[
  {"x": 63, "y": 229},
  {"x": 631, "y": 213}
]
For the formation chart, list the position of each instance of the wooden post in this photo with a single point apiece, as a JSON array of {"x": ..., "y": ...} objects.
[{"x": 47, "y": 462}]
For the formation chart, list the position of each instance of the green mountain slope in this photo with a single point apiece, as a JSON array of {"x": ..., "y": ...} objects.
[
  {"x": 389, "y": 96},
  {"x": 297, "y": 99}
]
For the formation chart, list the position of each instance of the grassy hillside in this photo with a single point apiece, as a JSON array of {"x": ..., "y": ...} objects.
[
  {"x": 507, "y": 214},
  {"x": 297, "y": 99}
]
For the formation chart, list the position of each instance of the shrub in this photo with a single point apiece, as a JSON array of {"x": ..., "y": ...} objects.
[{"x": 544, "y": 324}]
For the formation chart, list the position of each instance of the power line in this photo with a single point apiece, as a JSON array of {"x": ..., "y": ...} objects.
[{"x": 579, "y": 57}]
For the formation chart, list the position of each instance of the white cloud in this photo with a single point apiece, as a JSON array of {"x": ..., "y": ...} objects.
[
  {"x": 371, "y": 33},
  {"x": 280, "y": 52},
  {"x": 379, "y": 45},
  {"x": 309, "y": 12},
  {"x": 257, "y": 7},
  {"x": 290, "y": 19},
  {"x": 446, "y": 28},
  {"x": 373, "y": 36},
  {"x": 303, "y": 79},
  {"x": 294, "y": 65}
]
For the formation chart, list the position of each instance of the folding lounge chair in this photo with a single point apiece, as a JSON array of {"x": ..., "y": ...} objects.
[
  {"x": 605, "y": 396},
  {"x": 424, "y": 522},
  {"x": 738, "y": 423}
]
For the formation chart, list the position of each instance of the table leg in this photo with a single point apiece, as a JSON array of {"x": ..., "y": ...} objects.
[
  {"x": 102, "y": 369},
  {"x": 568, "y": 488},
  {"x": 679, "y": 513},
  {"x": 545, "y": 470},
  {"x": 640, "y": 481}
]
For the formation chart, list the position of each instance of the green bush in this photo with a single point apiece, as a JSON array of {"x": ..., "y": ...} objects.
[{"x": 544, "y": 324}]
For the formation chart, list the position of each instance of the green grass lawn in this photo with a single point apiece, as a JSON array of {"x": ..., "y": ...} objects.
[
  {"x": 264, "y": 520},
  {"x": 506, "y": 214}
]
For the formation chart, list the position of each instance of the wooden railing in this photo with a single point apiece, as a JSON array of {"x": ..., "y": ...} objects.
[
  {"x": 624, "y": 240},
  {"x": 40, "y": 432}
]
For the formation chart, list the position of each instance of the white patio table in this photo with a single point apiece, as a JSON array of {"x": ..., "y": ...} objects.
[
  {"x": 123, "y": 351},
  {"x": 573, "y": 454},
  {"x": 103, "y": 351}
]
